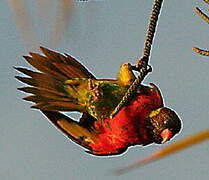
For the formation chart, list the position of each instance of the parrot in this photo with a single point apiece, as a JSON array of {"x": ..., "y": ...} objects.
[{"x": 62, "y": 84}]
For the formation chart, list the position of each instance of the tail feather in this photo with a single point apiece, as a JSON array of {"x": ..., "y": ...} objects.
[
  {"x": 69, "y": 62},
  {"x": 42, "y": 64},
  {"x": 72, "y": 129},
  {"x": 57, "y": 106},
  {"x": 43, "y": 92},
  {"x": 48, "y": 86},
  {"x": 35, "y": 99},
  {"x": 42, "y": 80},
  {"x": 70, "y": 71}
]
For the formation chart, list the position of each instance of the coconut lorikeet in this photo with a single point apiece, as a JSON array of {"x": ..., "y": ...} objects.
[{"x": 64, "y": 84}]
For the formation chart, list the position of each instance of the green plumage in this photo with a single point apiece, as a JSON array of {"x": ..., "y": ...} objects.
[
  {"x": 63, "y": 84},
  {"x": 99, "y": 97}
]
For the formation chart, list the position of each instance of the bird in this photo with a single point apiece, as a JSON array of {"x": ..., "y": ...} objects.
[{"x": 62, "y": 84}]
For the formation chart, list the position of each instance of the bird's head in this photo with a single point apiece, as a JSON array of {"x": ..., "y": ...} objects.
[{"x": 165, "y": 124}]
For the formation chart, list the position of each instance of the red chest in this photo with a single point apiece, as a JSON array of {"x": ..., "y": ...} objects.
[{"x": 128, "y": 127}]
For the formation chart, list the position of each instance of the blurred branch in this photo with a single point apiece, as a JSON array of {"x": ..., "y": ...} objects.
[
  {"x": 168, "y": 150},
  {"x": 25, "y": 25},
  {"x": 23, "y": 22},
  {"x": 62, "y": 22}
]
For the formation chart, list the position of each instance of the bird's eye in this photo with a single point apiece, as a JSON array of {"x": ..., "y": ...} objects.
[{"x": 171, "y": 129}]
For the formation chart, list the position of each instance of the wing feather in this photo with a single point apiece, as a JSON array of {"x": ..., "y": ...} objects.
[{"x": 48, "y": 84}]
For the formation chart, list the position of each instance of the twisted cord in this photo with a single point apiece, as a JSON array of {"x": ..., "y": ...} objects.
[
  {"x": 132, "y": 90},
  {"x": 151, "y": 29},
  {"x": 142, "y": 64}
]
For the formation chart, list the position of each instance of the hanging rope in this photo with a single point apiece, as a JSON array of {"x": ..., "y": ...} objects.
[
  {"x": 151, "y": 29},
  {"x": 142, "y": 65}
]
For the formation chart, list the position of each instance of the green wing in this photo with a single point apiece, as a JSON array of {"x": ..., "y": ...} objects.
[{"x": 48, "y": 85}]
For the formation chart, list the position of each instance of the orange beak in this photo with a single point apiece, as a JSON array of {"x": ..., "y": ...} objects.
[{"x": 166, "y": 134}]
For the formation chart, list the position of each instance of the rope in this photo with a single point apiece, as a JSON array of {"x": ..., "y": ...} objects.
[
  {"x": 151, "y": 28},
  {"x": 142, "y": 65},
  {"x": 132, "y": 90}
]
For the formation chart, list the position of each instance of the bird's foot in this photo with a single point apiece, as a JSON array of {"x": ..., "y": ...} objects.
[{"x": 95, "y": 91}]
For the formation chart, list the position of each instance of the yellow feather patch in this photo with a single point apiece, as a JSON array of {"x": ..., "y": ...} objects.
[
  {"x": 77, "y": 131},
  {"x": 155, "y": 112},
  {"x": 126, "y": 75}
]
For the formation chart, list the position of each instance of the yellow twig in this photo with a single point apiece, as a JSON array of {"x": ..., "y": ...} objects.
[
  {"x": 202, "y": 15},
  {"x": 201, "y": 51},
  {"x": 164, "y": 152},
  {"x": 207, "y": 1}
]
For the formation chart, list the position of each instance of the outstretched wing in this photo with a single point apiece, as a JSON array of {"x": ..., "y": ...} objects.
[
  {"x": 82, "y": 134},
  {"x": 48, "y": 85}
]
